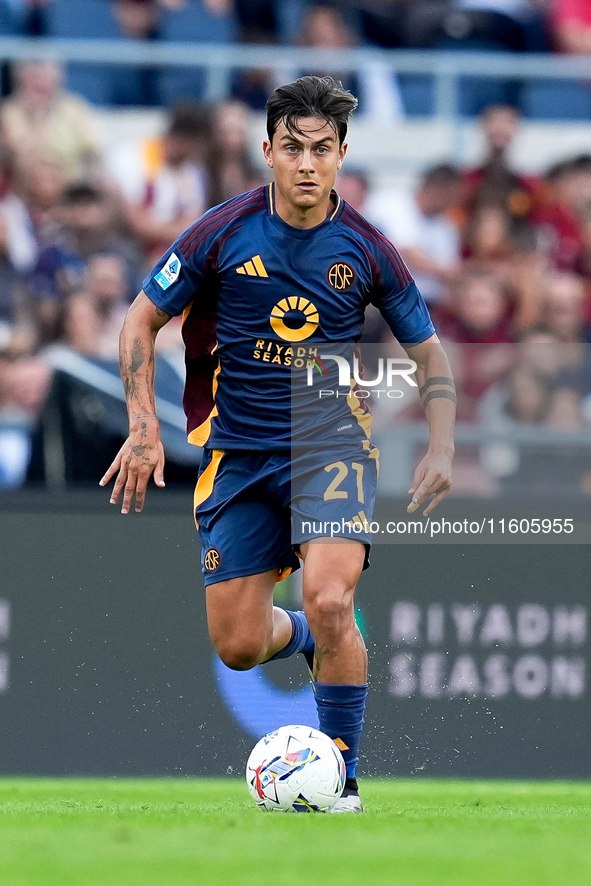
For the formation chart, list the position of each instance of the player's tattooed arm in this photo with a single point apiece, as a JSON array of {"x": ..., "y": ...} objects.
[
  {"x": 438, "y": 387},
  {"x": 130, "y": 365},
  {"x": 142, "y": 454},
  {"x": 432, "y": 477}
]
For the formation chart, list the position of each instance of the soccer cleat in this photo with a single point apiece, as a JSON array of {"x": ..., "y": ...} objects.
[{"x": 349, "y": 801}]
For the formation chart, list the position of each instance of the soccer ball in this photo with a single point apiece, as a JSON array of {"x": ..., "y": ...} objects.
[{"x": 295, "y": 769}]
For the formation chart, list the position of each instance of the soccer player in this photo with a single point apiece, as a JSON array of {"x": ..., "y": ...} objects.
[{"x": 260, "y": 281}]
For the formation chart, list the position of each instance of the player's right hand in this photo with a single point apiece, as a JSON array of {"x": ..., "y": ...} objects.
[{"x": 141, "y": 455}]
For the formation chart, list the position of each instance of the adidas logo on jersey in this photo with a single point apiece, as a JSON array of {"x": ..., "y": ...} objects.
[
  {"x": 253, "y": 268},
  {"x": 359, "y": 520}
]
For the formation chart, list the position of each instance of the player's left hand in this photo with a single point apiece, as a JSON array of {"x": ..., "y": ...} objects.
[{"x": 432, "y": 477}]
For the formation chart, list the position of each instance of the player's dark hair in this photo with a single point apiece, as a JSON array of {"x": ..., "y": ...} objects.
[{"x": 310, "y": 97}]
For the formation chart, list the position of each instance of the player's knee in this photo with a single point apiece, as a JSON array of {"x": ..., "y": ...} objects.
[
  {"x": 239, "y": 655},
  {"x": 328, "y": 609}
]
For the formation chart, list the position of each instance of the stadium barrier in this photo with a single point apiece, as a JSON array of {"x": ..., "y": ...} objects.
[
  {"x": 556, "y": 86},
  {"x": 478, "y": 653}
]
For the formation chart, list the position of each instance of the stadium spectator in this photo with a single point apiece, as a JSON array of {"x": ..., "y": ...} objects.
[
  {"x": 41, "y": 116},
  {"x": 94, "y": 315},
  {"x": 257, "y": 19},
  {"x": 564, "y": 309},
  {"x": 136, "y": 20},
  {"x": 501, "y": 245},
  {"x": 488, "y": 237},
  {"x": 471, "y": 24},
  {"x": 88, "y": 223},
  {"x": 32, "y": 16},
  {"x": 167, "y": 181},
  {"x": 527, "y": 395},
  {"x": 353, "y": 186},
  {"x": 324, "y": 28},
  {"x": 233, "y": 171},
  {"x": 583, "y": 262},
  {"x": 545, "y": 385},
  {"x": 478, "y": 311},
  {"x": 258, "y": 22},
  {"x": 40, "y": 183},
  {"x": 18, "y": 255},
  {"x": 419, "y": 226},
  {"x": 560, "y": 216},
  {"x": 495, "y": 182},
  {"x": 570, "y": 24},
  {"x": 24, "y": 383}
]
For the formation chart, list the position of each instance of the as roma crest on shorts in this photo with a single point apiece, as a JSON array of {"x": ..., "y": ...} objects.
[
  {"x": 341, "y": 275},
  {"x": 212, "y": 560}
]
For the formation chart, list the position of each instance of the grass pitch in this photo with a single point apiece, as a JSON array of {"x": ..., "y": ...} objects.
[{"x": 157, "y": 832}]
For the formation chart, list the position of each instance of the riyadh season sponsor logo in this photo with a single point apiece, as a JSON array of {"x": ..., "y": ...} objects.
[
  {"x": 390, "y": 372},
  {"x": 488, "y": 650}
]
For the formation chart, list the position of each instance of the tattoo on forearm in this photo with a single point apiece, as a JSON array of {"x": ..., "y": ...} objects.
[
  {"x": 130, "y": 366},
  {"x": 436, "y": 380},
  {"x": 137, "y": 355},
  {"x": 440, "y": 395},
  {"x": 161, "y": 313},
  {"x": 129, "y": 386},
  {"x": 435, "y": 389}
]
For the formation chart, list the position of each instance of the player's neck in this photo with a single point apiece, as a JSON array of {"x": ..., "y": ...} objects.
[{"x": 303, "y": 217}]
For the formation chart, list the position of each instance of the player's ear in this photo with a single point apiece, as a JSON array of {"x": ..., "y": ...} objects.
[
  {"x": 342, "y": 152},
  {"x": 268, "y": 152}
]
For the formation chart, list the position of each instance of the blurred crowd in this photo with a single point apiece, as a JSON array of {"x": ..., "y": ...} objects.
[
  {"x": 502, "y": 258},
  {"x": 542, "y": 26},
  {"x": 515, "y": 25}
]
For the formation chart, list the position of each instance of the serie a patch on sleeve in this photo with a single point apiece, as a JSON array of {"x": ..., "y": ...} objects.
[{"x": 169, "y": 273}]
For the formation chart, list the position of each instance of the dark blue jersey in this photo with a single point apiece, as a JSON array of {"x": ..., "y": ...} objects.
[{"x": 258, "y": 296}]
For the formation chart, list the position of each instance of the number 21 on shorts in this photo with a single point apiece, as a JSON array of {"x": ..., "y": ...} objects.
[{"x": 333, "y": 491}]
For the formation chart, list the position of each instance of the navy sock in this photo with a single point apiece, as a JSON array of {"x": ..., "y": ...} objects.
[
  {"x": 340, "y": 715},
  {"x": 301, "y": 639}
]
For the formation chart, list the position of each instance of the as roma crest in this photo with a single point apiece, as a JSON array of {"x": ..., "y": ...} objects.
[
  {"x": 341, "y": 276},
  {"x": 212, "y": 560}
]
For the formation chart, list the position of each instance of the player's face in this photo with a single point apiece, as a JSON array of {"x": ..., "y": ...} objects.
[{"x": 304, "y": 167}]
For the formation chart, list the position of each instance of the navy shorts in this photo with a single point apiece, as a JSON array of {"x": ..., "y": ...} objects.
[{"x": 254, "y": 509}]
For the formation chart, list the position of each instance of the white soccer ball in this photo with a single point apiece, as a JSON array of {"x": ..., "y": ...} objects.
[{"x": 295, "y": 769}]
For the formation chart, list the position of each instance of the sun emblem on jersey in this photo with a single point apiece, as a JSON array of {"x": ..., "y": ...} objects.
[
  {"x": 212, "y": 560},
  {"x": 341, "y": 276},
  {"x": 294, "y": 318}
]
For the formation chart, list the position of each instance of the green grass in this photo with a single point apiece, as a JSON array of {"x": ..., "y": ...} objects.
[{"x": 157, "y": 832}]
